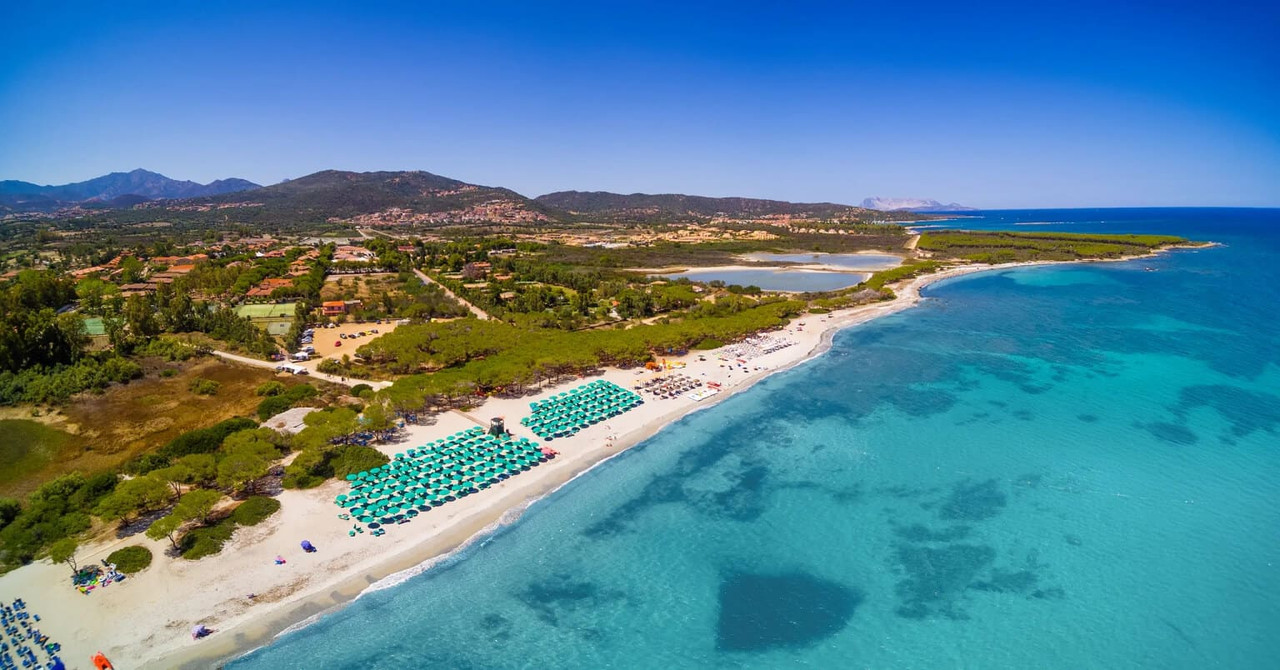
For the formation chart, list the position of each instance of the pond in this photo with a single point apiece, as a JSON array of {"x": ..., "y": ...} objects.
[
  {"x": 776, "y": 279},
  {"x": 870, "y": 262}
]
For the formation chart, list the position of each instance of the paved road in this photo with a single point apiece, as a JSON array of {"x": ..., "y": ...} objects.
[
  {"x": 474, "y": 310},
  {"x": 310, "y": 365}
]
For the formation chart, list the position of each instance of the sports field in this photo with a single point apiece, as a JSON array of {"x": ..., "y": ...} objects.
[{"x": 266, "y": 311}]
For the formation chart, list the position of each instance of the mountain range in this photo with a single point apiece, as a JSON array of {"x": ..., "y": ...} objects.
[
  {"x": 912, "y": 205},
  {"x": 118, "y": 189},
  {"x": 604, "y": 206},
  {"x": 416, "y": 197}
]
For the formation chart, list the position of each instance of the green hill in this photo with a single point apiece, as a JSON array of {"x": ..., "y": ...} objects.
[{"x": 643, "y": 207}]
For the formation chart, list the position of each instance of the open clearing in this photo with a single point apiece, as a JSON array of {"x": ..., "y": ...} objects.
[
  {"x": 27, "y": 448},
  {"x": 96, "y": 432},
  {"x": 329, "y": 343}
]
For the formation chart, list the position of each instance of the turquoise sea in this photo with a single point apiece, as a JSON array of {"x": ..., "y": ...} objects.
[{"x": 1066, "y": 467}]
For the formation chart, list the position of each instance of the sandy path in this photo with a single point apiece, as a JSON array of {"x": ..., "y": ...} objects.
[
  {"x": 480, "y": 314},
  {"x": 310, "y": 365}
]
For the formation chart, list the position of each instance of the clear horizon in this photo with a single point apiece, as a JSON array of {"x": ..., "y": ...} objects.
[{"x": 1001, "y": 106}]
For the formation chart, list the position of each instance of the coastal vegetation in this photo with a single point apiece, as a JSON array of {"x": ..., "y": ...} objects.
[
  {"x": 879, "y": 281},
  {"x": 447, "y": 361},
  {"x": 208, "y": 538},
  {"x": 1009, "y": 247},
  {"x": 27, "y": 446},
  {"x": 131, "y": 560}
]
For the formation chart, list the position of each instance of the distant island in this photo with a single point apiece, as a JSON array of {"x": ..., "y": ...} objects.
[{"x": 912, "y": 205}]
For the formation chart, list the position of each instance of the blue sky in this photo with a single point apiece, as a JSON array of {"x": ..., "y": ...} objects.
[{"x": 987, "y": 104}]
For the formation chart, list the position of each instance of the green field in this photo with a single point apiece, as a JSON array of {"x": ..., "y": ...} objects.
[
  {"x": 27, "y": 447},
  {"x": 266, "y": 311}
]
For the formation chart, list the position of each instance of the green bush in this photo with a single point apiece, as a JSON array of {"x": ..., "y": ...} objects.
[
  {"x": 56, "y": 384},
  {"x": 360, "y": 389},
  {"x": 271, "y": 388},
  {"x": 167, "y": 348},
  {"x": 131, "y": 559},
  {"x": 329, "y": 367},
  {"x": 202, "y": 386},
  {"x": 206, "y": 541},
  {"x": 255, "y": 510},
  {"x": 58, "y": 509},
  {"x": 709, "y": 343},
  {"x": 275, "y": 404},
  {"x": 141, "y": 465},
  {"x": 204, "y": 440},
  {"x": 356, "y": 458},
  {"x": 308, "y": 470},
  {"x": 297, "y": 478},
  {"x": 168, "y": 372}
]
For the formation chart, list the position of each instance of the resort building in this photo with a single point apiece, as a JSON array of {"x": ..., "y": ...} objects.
[{"x": 338, "y": 307}]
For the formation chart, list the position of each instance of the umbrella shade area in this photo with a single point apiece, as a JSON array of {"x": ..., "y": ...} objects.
[
  {"x": 420, "y": 479},
  {"x": 567, "y": 413}
]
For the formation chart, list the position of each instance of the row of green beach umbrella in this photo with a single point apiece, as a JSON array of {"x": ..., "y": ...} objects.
[
  {"x": 566, "y": 413},
  {"x": 441, "y": 471}
]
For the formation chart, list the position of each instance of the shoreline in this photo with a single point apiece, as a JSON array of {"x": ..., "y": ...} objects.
[
  {"x": 426, "y": 558},
  {"x": 364, "y": 564}
]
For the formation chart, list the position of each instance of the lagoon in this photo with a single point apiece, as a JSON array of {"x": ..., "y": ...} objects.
[
  {"x": 868, "y": 262},
  {"x": 776, "y": 279}
]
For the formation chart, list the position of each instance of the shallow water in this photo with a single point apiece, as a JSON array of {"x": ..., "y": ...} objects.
[
  {"x": 771, "y": 279},
  {"x": 1056, "y": 467},
  {"x": 846, "y": 261}
]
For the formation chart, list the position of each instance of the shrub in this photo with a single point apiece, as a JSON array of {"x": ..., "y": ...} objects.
[
  {"x": 52, "y": 385},
  {"x": 329, "y": 367},
  {"x": 207, "y": 541},
  {"x": 273, "y": 405},
  {"x": 296, "y": 478},
  {"x": 131, "y": 559},
  {"x": 144, "y": 463},
  {"x": 168, "y": 372},
  {"x": 360, "y": 389},
  {"x": 356, "y": 458},
  {"x": 271, "y": 388},
  {"x": 709, "y": 343},
  {"x": 308, "y": 470},
  {"x": 819, "y": 310},
  {"x": 202, "y": 386},
  {"x": 255, "y": 510},
  {"x": 167, "y": 348},
  {"x": 204, "y": 440}
]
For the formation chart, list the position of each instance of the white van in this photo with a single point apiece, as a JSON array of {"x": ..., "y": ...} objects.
[{"x": 301, "y": 356}]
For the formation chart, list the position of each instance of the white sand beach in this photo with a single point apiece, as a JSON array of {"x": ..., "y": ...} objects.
[{"x": 145, "y": 621}]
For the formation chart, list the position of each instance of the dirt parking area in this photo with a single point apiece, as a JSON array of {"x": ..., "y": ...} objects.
[{"x": 329, "y": 342}]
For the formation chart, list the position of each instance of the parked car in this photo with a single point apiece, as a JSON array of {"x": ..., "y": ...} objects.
[
  {"x": 342, "y": 336},
  {"x": 337, "y": 343}
]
